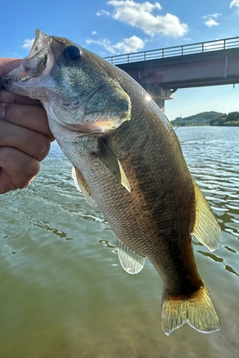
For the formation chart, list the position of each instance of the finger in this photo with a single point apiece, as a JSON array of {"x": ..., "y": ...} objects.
[
  {"x": 6, "y": 183},
  {"x": 35, "y": 144},
  {"x": 30, "y": 117},
  {"x": 17, "y": 169},
  {"x": 8, "y": 97},
  {"x": 8, "y": 64}
]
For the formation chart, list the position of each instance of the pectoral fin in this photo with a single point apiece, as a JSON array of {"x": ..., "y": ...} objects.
[
  {"x": 130, "y": 261},
  {"x": 206, "y": 229},
  {"x": 109, "y": 159},
  {"x": 82, "y": 186}
]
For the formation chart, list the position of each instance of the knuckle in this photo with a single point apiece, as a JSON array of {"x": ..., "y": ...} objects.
[
  {"x": 43, "y": 147},
  {"x": 31, "y": 170}
]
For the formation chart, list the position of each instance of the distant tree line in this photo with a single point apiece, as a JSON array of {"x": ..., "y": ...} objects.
[
  {"x": 208, "y": 118},
  {"x": 230, "y": 119},
  {"x": 200, "y": 119}
]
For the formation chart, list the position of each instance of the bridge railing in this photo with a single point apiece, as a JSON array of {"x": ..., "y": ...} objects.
[{"x": 189, "y": 49}]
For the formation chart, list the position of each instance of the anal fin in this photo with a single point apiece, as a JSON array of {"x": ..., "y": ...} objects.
[
  {"x": 206, "y": 228},
  {"x": 131, "y": 262}
]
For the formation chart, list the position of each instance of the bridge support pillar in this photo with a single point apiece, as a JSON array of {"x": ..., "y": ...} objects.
[
  {"x": 160, "y": 102},
  {"x": 159, "y": 95}
]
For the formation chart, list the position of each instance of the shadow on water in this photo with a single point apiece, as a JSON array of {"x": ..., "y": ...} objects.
[{"x": 63, "y": 293}]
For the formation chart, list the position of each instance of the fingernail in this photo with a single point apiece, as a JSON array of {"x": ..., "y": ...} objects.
[{"x": 2, "y": 111}]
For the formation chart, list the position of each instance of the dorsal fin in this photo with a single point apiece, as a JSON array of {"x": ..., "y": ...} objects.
[
  {"x": 206, "y": 229},
  {"x": 82, "y": 186},
  {"x": 130, "y": 261},
  {"x": 109, "y": 159}
]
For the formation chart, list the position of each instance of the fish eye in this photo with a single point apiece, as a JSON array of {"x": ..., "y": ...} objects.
[{"x": 71, "y": 53}]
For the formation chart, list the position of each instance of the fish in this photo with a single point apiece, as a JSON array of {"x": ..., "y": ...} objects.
[{"x": 128, "y": 161}]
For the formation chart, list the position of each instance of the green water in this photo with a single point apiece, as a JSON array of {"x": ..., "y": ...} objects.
[{"x": 62, "y": 291}]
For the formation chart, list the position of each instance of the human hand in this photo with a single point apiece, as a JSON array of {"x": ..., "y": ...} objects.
[{"x": 24, "y": 135}]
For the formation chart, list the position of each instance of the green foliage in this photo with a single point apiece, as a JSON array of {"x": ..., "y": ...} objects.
[
  {"x": 208, "y": 118},
  {"x": 198, "y": 119},
  {"x": 230, "y": 119}
]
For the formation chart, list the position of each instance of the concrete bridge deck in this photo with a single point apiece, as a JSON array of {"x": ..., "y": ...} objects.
[{"x": 162, "y": 71}]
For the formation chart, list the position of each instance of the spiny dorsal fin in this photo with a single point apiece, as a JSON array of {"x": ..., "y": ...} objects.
[
  {"x": 130, "y": 261},
  {"x": 206, "y": 229},
  {"x": 82, "y": 186},
  {"x": 109, "y": 159}
]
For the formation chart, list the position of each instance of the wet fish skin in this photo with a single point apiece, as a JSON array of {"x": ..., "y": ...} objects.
[{"x": 110, "y": 129}]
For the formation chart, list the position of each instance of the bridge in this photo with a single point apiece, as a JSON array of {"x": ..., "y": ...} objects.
[{"x": 163, "y": 71}]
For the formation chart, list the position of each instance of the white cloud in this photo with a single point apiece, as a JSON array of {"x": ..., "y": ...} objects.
[
  {"x": 131, "y": 44},
  {"x": 211, "y": 22},
  {"x": 102, "y": 12},
  {"x": 210, "y": 19},
  {"x": 103, "y": 42},
  {"x": 142, "y": 15},
  {"x": 234, "y": 3},
  {"x": 212, "y": 15},
  {"x": 146, "y": 6},
  {"x": 27, "y": 44},
  {"x": 94, "y": 33}
]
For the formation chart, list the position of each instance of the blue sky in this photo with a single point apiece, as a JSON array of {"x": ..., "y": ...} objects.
[{"x": 117, "y": 26}]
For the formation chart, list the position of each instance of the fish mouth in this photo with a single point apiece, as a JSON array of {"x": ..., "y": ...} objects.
[
  {"x": 14, "y": 81},
  {"x": 8, "y": 82}
]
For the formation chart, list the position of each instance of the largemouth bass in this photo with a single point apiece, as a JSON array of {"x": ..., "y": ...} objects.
[{"x": 127, "y": 159}]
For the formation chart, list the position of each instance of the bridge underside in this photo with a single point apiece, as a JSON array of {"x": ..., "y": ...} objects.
[{"x": 162, "y": 77}]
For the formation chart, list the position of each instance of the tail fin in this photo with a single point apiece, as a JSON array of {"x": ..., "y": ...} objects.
[{"x": 198, "y": 311}]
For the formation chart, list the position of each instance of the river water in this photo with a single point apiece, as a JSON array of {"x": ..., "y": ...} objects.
[{"x": 63, "y": 293}]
